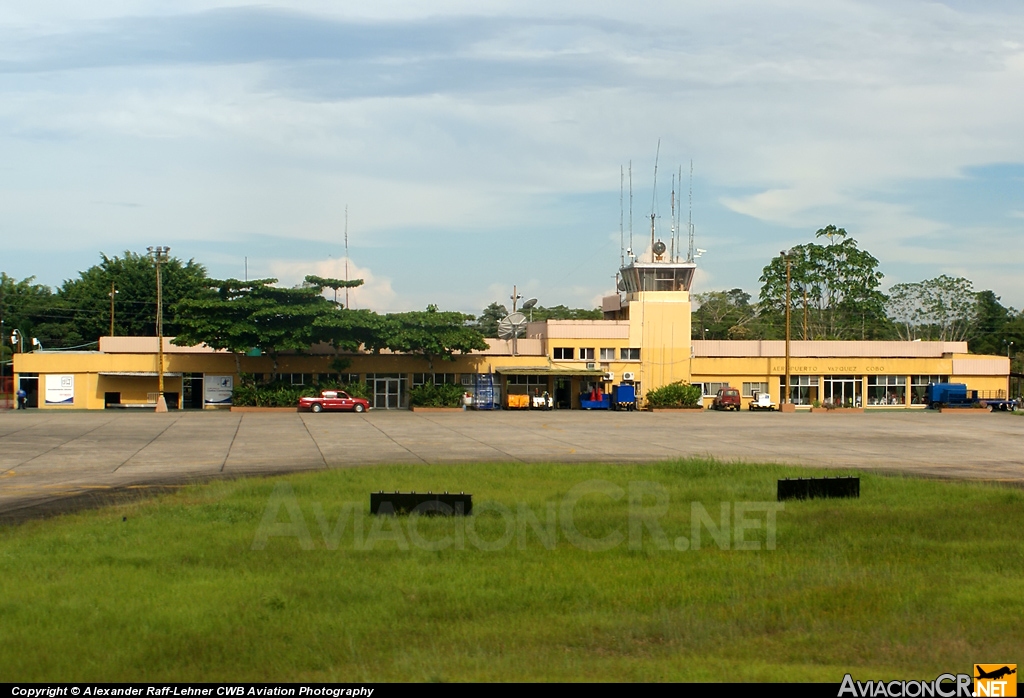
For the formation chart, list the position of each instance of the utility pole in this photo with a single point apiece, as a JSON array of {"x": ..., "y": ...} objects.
[
  {"x": 805, "y": 313},
  {"x": 113, "y": 292},
  {"x": 787, "y": 255},
  {"x": 159, "y": 255}
]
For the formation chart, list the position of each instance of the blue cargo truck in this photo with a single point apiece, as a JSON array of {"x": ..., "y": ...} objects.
[{"x": 939, "y": 395}]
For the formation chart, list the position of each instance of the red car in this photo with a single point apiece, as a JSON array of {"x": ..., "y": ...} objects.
[
  {"x": 727, "y": 399},
  {"x": 333, "y": 400}
]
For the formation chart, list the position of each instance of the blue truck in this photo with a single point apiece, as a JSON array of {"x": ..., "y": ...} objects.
[{"x": 940, "y": 395}]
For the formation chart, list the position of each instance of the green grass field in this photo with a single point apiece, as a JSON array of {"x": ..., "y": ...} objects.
[{"x": 915, "y": 578}]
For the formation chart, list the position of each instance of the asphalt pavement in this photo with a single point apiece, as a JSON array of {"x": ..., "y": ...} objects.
[{"x": 51, "y": 461}]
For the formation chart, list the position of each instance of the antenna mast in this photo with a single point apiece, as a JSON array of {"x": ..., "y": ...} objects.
[
  {"x": 679, "y": 215},
  {"x": 631, "y": 206},
  {"x": 622, "y": 248},
  {"x": 689, "y": 223},
  {"x": 346, "y": 256},
  {"x": 654, "y": 195},
  {"x": 672, "y": 241}
]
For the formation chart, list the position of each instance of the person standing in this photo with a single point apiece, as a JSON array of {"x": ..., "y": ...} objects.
[{"x": 22, "y": 398}]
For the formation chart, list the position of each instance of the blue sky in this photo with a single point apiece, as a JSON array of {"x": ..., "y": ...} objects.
[{"x": 479, "y": 144}]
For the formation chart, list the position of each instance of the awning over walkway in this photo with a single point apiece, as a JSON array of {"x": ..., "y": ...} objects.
[
  {"x": 139, "y": 374},
  {"x": 545, "y": 371}
]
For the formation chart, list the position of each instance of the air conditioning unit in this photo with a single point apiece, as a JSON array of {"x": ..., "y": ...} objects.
[
  {"x": 609, "y": 377},
  {"x": 627, "y": 376},
  {"x": 591, "y": 366}
]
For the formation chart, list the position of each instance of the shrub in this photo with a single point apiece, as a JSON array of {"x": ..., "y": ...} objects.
[
  {"x": 429, "y": 395},
  {"x": 249, "y": 393},
  {"x": 678, "y": 394}
]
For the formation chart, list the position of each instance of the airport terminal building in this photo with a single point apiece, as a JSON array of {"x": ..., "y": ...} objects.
[{"x": 645, "y": 339}]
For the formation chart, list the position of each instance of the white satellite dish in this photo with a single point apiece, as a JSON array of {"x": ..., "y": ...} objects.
[
  {"x": 512, "y": 327},
  {"x": 529, "y": 304}
]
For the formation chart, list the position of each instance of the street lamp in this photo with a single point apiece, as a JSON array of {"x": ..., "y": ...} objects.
[
  {"x": 16, "y": 338},
  {"x": 159, "y": 255},
  {"x": 788, "y": 256}
]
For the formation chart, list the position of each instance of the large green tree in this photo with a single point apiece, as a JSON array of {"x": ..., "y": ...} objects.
[
  {"x": 245, "y": 315},
  {"x": 840, "y": 283},
  {"x": 941, "y": 309},
  {"x": 430, "y": 333},
  {"x": 29, "y": 308},
  {"x": 723, "y": 315},
  {"x": 85, "y": 302}
]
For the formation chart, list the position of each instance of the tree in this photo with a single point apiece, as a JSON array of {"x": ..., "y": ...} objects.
[
  {"x": 82, "y": 311},
  {"x": 561, "y": 312},
  {"x": 487, "y": 323},
  {"x": 431, "y": 333},
  {"x": 988, "y": 334},
  {"x": 335, "y": 284},
  {"x": 27, "y": 307},
  {"x": 254, "y": 314},
  {"x": 841, "y": 283},
  {"x": 941, "y": 309},
  {"x": 722, "y": 315}
]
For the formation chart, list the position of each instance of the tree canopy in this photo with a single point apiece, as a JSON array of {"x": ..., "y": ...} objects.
[
  {"x": 940, "y": 309},
  {"x": 841, "y": 283},
  {"x": 245, "y": 315},
  {"x": 723, "y": 315}
]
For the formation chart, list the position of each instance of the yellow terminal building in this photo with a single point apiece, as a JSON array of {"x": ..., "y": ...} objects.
[{"x": 644, "y": 340}]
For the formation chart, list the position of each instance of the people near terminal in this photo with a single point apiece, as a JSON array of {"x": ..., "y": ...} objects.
[{"x": 22, "y": 398}]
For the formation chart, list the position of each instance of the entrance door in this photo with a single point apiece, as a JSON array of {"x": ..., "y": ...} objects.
[
  {"x": 563, "y": 393},
  {"x": 30, "y": 384},
  {"x": 843, "y": 391},
  {"x": 386, "y": 394},
  {"x": 192, "y": 391}
]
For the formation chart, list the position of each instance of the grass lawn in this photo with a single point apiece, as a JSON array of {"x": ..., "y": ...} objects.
[{"x": 915, "y": 578}]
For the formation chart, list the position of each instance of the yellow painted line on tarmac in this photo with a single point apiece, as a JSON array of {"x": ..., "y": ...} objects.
[{"x": 10, "y": 473}]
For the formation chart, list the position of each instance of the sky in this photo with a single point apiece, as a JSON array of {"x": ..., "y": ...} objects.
[{"x": 479, "y": 145}]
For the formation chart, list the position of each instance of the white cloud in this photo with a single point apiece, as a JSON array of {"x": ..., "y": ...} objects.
[
  {"x": 797, "y": 113},
  {"x": 375, "y": 294}
]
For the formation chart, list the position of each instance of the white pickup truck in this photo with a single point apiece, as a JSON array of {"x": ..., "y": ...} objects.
[{"x": 761, "y": 401}]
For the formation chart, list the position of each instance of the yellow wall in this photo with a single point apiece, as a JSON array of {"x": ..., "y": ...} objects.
[{"x": 659, "y": 325}]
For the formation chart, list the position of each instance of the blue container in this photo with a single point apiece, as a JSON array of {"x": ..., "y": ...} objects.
[{"x": 624, "y": 397}]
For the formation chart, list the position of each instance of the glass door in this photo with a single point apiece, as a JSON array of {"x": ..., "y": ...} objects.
[
  {"x": 386, "y": 394},
  {"x": 843, "y": 391}
]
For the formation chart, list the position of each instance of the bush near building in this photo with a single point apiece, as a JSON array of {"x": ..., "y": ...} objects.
[
  {"x": 430, "y": 395},
  {"x": 679, "y": 394},
  {"x": 250, "y": 393}
]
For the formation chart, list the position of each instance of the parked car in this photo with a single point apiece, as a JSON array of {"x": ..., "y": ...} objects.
[
  {"x": 334, "y": 400},
  {"x": 761, "y": 401},
  {"x": 726, "y": 399}
]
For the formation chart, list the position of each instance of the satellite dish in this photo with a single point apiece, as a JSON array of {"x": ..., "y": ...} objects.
[
  {"x": 512, "y": 326},
  {"x": 621, "y": 285},
  {"x": 529, "y": 304},
  {"x": 659, "y": 248}
]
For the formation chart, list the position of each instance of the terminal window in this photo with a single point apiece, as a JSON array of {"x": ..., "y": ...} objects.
[
  {"x": 629, "y": 354},
  {"x": 565, "y": 353},
  {"x": 750, "y": 388},
  {"x": 887, "y": 390},
  {"x": 586, "y": 354},
  {"x": 608, "y": 355}
]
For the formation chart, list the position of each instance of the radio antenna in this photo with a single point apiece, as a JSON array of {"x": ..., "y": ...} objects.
[
  {"x": 622, "y": 185},
  {"x": 631, "y": 206},
  {"x": 654, "y": 195},
  {"x": 346, "y": 256},
  {"x": 672, "y": 230},
  {"x": 689, "y": 222}
]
